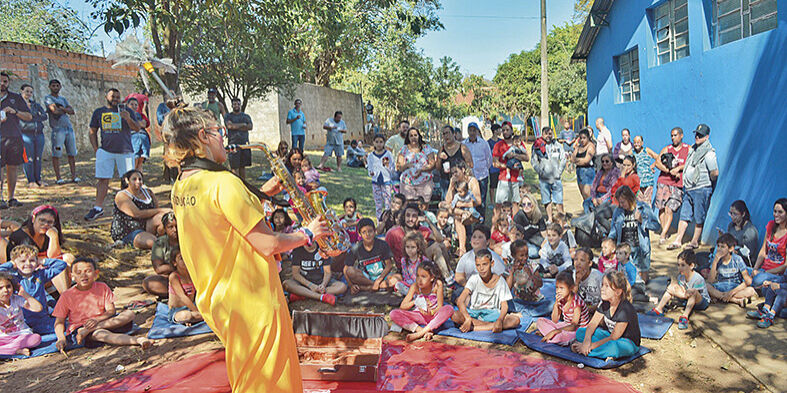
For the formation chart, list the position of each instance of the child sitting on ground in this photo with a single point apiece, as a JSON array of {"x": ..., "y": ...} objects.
[
  {"x": 729, "y": 277},
  {"x": 613, "y": 332},
  {"x": 430, "y": 218},
  {"x": 483, "y": 304},
  {"x": 462, "y": 204},
  {"x": 310, "y": 175},
  {"x": 16, "y": 338},
  {"x": 89, "y": 308},
  {"x": 690, "y": 288},
  {"x": 33, "y": 276},
  {"x": 554, "y": 254},
  {"x": 414, "y": 251},
  {"x": 607, "y": 261},
  {"x": 350, "y": 218},
  {"x": 569, "y": 313},
  {"x": 514, "y": 233},
  {"x": 567, "y": 236},
  {"x": 445, "y": 225},
  {"x": 499, "y": 234},
  {"x": 182, "y": 293},
  {"x": 524, "y": 283},
  {"x": 300, "y": 182},
  {"x": 427, "y": 298},
  {"x": 390, "y": 217},
  {"x": 626, "y": 265},
  {"x": 369, "y": 265},
  {"x": 281, "y": 221},
  {"x": 311, "y": 277},
  {"x": 775, "y": 293}
]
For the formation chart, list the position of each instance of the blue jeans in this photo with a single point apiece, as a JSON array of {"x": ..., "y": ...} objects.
[
  {"x": 297, "y": 141},
  {"x": 34, "y": 146},
  {"x": 775, "y": 298},
  {"x": 761, "y": 277},
  {"x": 484, "y": 186},
  {"x": 617, "y": 349}
]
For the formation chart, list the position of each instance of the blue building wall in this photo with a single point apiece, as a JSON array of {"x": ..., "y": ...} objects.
[{"x": 739, "y": 89}]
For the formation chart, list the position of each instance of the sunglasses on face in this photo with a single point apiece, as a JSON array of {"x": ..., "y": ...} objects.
[{"x": 527, "y": 204}]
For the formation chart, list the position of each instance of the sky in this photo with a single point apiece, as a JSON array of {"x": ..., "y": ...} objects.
[
  {"x": 478, "y": 35},
  {"x": 481, "y": 34}
]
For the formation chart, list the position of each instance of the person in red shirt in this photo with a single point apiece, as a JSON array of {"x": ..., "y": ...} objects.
[
  {"x": 628, "y": 177},
  {"x": 508, "y": 183},
  {"x": 409, "y": 221},
  {"x": 669, "y": 187}
]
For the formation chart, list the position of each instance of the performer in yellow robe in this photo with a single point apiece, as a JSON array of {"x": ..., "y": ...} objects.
[{"x": 227, "y": 247}]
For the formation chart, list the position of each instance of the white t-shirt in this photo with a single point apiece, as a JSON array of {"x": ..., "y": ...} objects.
[
  {"x": 485, "y": 298},
  {"x": 604, "y": 135},
  {"x": 560, "y": 256},
  {"x": 590, "y": 289},
  {"x": 466, "y": 264}
]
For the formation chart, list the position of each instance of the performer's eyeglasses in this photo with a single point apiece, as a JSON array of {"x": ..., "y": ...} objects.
[{"x": 220, "y": 130}]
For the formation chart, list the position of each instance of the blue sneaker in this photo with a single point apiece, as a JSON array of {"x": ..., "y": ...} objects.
[
  {"x": 653, "y": 313},
  {"x": 766, "y": 321},
  {"x": 754, "y": 314},
  {"x": 683, "y": 323}
]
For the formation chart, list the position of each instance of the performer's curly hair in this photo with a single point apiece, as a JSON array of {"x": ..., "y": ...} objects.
[{"x": 180, "y": 130}]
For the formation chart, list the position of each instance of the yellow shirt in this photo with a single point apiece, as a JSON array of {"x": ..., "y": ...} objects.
[{"x": 238, "y": 290}]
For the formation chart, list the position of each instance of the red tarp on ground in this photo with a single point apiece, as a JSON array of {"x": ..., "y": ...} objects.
[{"x": 403, "y": 367}]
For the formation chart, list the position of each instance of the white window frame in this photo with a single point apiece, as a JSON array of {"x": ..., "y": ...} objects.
[
  {"x": 744, "y": 12},
  {"x": 628, "y": 75},
  {"x": 667, "y": 29}
]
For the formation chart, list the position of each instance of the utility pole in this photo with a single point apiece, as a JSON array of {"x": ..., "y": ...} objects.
[{"x": 544, "y": 61}]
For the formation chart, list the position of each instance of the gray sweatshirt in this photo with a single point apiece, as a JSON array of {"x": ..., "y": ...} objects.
[{"x": 550, "y": 167}]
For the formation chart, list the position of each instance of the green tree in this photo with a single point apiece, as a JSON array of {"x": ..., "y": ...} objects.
[
  {"x": 519, "y": 78},
  {"x": 581, "y": 10},
  {"x": 242, "y": 51},
  {"x": 483, "y": 95},
  {"x": 42, "y": 22}
]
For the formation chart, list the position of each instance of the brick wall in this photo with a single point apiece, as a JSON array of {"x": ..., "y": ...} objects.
[{"x": 84, "y": 78}]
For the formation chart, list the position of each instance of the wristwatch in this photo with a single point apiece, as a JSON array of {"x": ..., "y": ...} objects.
[{"x": 309, "y": 235}]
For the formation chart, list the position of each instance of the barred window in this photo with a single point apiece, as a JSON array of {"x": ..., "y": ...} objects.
[
  {"x": 671, "y": 30},
  {"x": 628, "y": 75},
  {"x": 736, "y": 19}
]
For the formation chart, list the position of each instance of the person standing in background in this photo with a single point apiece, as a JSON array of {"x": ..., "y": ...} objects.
[
  {"x": 482, "y": 160},
  {"x": 494, "y": 171},
  {"x": 33, "y": 138},
  {"x": 62, "y": 131},
  {"x": 297, "y": 121},
  {"x": 603, "y": 142},
  {"x": 335, "y": 129},
  {"x": 13, "y": 109},
  {"x": 238, "y": 126},
  {"x": 213, "y": 104}
]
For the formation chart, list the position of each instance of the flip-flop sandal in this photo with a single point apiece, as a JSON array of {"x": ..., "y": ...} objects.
[
  {"x": 138, "y": 304},
  {"x": 673, "y": 246},
  {"x": 691, "y": 246}
]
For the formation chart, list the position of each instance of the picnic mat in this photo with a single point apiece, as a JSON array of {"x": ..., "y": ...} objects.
[
  {"x": 423, "y": 366},
  {"x": 533, "y": 341},
  {"x": 47, "y": 346},
  {"x": 507, "y": 337},
  {"x": 653, "y": 327},
  {"x": 163, "y": 328}
]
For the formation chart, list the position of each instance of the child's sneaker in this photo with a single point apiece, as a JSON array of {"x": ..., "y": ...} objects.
[
  {"x": 402, "y": 288},
  {"x": 754, "y": 314},
  {"x": 683, "y": 323},
  {"x": 326, "y": 298},
  {"x": 654, "y": 313},
  {"x": 766, "y": 321},
  {"x": 296, "y": 298}
]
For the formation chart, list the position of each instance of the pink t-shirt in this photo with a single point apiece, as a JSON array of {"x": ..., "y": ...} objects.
[
  {"x": 775, "y": 249},
  {"x": 77, "y": 306},
  {"x": 605, "y": 264},
  {"x": 12, "y": 322},
  {"x": 680, "y": 154}
]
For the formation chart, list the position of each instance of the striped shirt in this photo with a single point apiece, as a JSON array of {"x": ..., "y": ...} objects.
[{"x": 567, "y": 310}]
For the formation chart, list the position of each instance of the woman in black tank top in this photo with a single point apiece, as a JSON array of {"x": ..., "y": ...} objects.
[{"x": 461, "y": 154}]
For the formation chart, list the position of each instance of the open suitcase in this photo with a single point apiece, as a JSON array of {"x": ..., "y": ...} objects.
[{"x": 337, "y": 346}]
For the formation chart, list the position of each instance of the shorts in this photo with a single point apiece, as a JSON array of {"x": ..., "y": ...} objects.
[
  {"x": 333, "y": 148},
  {"x": 129, "y": 239},
  {"x": 703, "y": 305},
  {"x": 64, "y": 138},
  {"x": 367, "y": 275},
  {"x": 240, "y": 159},
  {"x": 669, "y": 197},
  {"x": 585, "y": 175},
  {"x": 12, "y": 151},
  {"x": 484, "y": 315},
  {"x": 551, "y": 193},
  {"x": 173, "y": 311},
  {"x": 695, "y": 205},
  {"x": 507, "y": 191},
  {"x": 493, "y": 179},
  {"x": 725, "y": 286},
  {"x": 140, "y": 143},
  {"x": 106, "y": 163},
  {"x": 90, "y": 343}
]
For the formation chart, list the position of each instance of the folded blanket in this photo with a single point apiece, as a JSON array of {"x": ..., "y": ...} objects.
[{"x": 163, "y": 328}]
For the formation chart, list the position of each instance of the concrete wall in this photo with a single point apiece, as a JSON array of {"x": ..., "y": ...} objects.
[
  {"x": 84, "y": 78},
  {"x": 739, "y": 89}
]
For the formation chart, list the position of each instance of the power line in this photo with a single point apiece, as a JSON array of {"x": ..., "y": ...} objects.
[{"x": 488, "y": 17}]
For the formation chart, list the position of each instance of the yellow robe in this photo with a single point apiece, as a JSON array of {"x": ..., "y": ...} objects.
[{"x": 238, "y": 290}]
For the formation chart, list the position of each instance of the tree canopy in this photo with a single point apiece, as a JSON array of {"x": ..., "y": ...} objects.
[{"x": 43, "y": 22}]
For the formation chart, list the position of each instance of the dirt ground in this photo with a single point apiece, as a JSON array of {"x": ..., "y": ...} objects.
[{"x": 682, "y": 361}]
